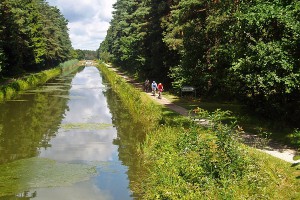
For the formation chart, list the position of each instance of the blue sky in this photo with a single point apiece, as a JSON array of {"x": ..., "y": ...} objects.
[{"x": 88, "y": 20}]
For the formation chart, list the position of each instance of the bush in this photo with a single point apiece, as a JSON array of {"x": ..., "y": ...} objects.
[{"x": 207, "y": 163}]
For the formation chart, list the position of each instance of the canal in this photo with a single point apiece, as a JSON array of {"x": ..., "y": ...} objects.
[{"x": 69, "y": 139}]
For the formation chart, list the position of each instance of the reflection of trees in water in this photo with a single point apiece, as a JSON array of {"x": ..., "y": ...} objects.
[
  {"x": 131, "y": 134},
  {"x": 28, "y": 125}
]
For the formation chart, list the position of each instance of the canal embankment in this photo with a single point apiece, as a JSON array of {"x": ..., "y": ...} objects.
[
  {"x": 13, "y": 86},
  {"x": 188, "y": 161}
]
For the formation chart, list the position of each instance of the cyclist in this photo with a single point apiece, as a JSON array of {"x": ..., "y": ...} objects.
[
  {"x": 154, "y": 88},
  {"x": 146, "y": 85},
  {"x": 160, "y": 88}
]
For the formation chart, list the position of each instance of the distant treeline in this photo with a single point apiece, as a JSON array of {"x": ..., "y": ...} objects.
[
  {"x": 246, "y": 50},
  {"x": 86, "y": 54},
  {"x": 33, "y": 36}
]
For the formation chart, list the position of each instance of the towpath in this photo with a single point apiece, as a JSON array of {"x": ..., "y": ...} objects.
[{"x": 275, "y": 150}]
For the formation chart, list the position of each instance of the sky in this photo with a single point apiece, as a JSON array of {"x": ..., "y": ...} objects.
[{"x": 88, "y": 20}]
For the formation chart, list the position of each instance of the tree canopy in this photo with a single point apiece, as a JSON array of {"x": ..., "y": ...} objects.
[
  {"x": 33, "y": 36},
  {"x": 234, "y": 49}
]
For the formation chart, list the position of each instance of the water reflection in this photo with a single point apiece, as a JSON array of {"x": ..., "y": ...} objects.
[
  {"x": 131, "y": 133},
  {"x": 84, "y": 145},
  {"x": 30, "y": 122},
  {"x": 88, "y": 145},
  {"x": 79, "y": 191},
  {"x": 76, "y": 119}
]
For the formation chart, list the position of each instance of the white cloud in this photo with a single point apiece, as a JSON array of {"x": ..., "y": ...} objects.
[{"x": 88, "y": 20}]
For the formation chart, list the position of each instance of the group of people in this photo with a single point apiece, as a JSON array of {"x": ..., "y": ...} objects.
[{"x": 154, "y": 87}]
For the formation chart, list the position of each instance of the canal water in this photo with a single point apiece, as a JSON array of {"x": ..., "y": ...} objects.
[{"x": 68, "y": 139}]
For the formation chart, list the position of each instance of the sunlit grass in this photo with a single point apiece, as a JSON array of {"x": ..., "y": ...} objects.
[
  {"x": 12, "y": 89},
  {"x": 139, "y": 105},
  {"x": 245, "y": 117},
  {"x": 192, "y": 164}
]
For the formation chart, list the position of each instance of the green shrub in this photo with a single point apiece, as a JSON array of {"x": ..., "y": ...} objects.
[
  {"x": 1, "y": 96},
  {"x": 9, "y": 92},
  {"x": 32, "y": 80},
  {"x": 295, "y": 138},
  {"x": 208, "y": 163},
  {"x": 23, "y": 85}
]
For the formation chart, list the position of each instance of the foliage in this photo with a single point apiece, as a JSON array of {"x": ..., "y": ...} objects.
[
  {"x": 199, "y": 163},
  {"x": 295, "y": 138},
  {"x": 86, "y": 54},
  {"x": 234, "y": 50},
  {"x": 34, "y": 36},
  {"x": 134, "y": 38},
  {"x": 265, "y": 66},
  {"x": 105, "y": 57}
]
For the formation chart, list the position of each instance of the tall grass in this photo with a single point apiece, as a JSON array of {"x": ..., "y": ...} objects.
[
  {"x": 138, "y": 104},
  {"x": 211, "y": 163},
  {"x": 10, "y": 90},
  {"x": 68, "y": 66}
]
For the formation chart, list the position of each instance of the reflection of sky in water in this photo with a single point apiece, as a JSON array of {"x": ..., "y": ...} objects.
[
  {"x": 88, "y": 145},
  {"x": 84, "y": 145},
  {"x": 109, "y": 185},
  {"x": 77, "y": 192}
]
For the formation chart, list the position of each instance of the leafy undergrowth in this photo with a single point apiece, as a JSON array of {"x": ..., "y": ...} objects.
[{"x": 211, "y": 163}]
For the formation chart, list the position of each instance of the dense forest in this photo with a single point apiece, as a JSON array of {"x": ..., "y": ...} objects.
[
  {"x": 33, "y": 36},
  {"x": 235, "y": 49}
]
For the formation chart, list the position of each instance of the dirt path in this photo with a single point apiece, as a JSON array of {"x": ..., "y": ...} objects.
[{"x": 275, "y": 150}]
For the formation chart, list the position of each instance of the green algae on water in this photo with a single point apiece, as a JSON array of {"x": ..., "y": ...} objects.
[
  {"x": 69, "y": 96},
  {"x": 48, "y": 89},
  {"x": 85, "y": 126},
  {"x": 29, "y": 173},
  {"x": 17, "y": 100}
]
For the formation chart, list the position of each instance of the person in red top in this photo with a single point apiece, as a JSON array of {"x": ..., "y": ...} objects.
[{"x": 160, "y": 88}]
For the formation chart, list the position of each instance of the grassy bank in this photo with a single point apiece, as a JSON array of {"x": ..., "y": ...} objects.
[
  {"x": 200, "y": 163},
  {"x": 250, "y": 121},
  {"x": 8, "y": 91},
  {"x": 139, "y": 104},
  {"x": 186, "y": 161}
]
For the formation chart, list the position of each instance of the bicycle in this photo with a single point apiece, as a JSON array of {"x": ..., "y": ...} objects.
[
  {"x": 153, "y": 91},
  {"x": 159, "y": 93}
]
